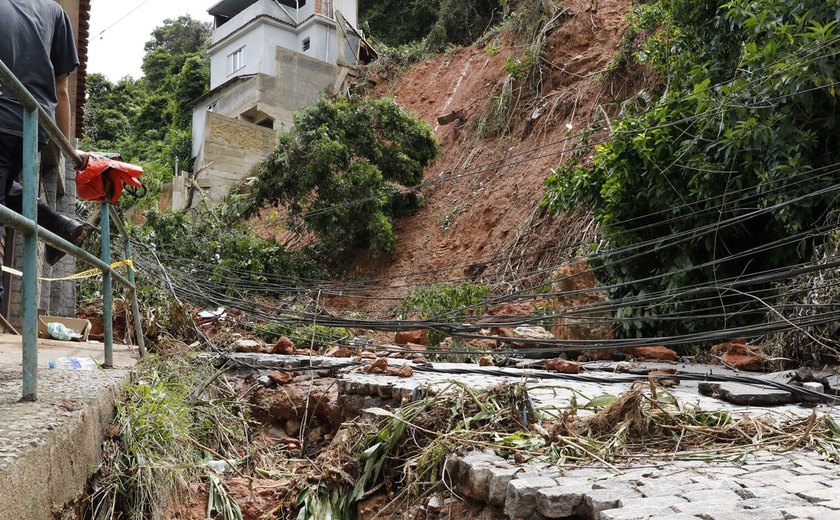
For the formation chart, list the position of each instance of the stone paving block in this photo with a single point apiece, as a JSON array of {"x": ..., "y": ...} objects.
[
  {"x": 755, "y": 489},
  {"x": 637, "y": 513},
  {"x": 751, "y": 514},
  {"x": 731, "y": 471},
  {"x": 497, "y": 484},
  {"x": 475, "y": 485},
  {"x": 773, "y": 476},
  {"x": 650, "y": 502},
  {"x": 597, "y": 500},
  {"x": 678, "y": 516},
  {"x": 520, "y": 498},
  {"x": 821, "y": 495},
  {"x": 660, "y": 489},
  {"x": 703, "y": 482},
  {"x": 803, "y": 484},
  {"x": 560, "y": 501},
  {"x": 712, "y": 495},
  {"x": 811, "y": 512},
  {"x": 707, "y": 507},
  {"x": 777, "y": 500}
]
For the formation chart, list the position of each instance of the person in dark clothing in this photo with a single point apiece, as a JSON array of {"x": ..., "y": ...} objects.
[{"x": 39, "y": 48}]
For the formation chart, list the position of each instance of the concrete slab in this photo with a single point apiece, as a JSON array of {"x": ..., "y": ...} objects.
[
  {"x": 48, "y": 449},
  {"x": 10, "y": 351}
]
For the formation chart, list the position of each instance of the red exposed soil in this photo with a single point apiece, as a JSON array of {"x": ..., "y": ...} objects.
[{"x": 483, "y": 219}]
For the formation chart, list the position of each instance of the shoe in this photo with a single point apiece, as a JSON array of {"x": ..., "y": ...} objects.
[{"x": 77, "y": 234}]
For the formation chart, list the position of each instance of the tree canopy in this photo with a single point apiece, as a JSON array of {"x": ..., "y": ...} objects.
[
  {"x": 148, "y": 120},
  {"x": 343, "y": 171}
]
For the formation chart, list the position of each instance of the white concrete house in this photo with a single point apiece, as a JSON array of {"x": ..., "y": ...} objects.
[
  {"x": 268, "y": 59},
  {"x": 247, "y": 32}
]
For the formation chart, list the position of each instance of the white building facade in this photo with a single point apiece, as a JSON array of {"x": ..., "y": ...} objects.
[{"x": 268, "y": 59}]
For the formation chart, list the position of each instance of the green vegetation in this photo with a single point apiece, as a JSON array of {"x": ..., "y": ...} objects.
[
  {"x": 438, "y": 23},
  {"x": 318, "y": 336},
  {"x": 344, "y": 171},
  {"x": 728, "y": 157},
  {"x": 172, "y": 421},
  {"x": 205, "y": 237},
  {"x": 444, "y": 303},
  {"x": 148, "y": 120}
]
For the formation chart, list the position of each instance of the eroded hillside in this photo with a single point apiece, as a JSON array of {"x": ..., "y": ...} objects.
[{"x": 483, "y": 219}]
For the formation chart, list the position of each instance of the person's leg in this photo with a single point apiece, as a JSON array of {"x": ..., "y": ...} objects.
[
  {"x": 11, "y": 159},
  {"x": 47, "y": 217}
]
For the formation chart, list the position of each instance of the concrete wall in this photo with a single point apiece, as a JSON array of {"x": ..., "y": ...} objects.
[
  {"x": 234, "y": 147},
  {"x": 231, "y": 102},
  {"x": 264, "y": 26},
  {"x": 299, "y": 80},
  {"x": 322, "y": 40},
  {"x": 350, "y": 10},
  {"x": 261, "y": 7},
  {"x": 302, "y": 80}
]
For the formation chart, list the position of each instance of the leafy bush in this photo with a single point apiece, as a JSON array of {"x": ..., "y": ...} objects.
[
  {"x": 746, "y": 116},
  {"x": 342, "y": 172},
  {"x": 206, "y": 238},
  {"x": 444, "y": 303},
  {"x": 171, "y": 411}
]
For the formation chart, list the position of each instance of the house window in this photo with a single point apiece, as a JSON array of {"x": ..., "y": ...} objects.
[
  {"x": 306, "y": 44},
  {"x": 236, "y": 60}
]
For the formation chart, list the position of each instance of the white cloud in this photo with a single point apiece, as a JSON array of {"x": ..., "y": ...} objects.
[{"x": 118, "y": 51}]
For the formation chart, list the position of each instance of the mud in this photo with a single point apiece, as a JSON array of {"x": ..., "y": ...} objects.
[{"x": 484, "y": 220}]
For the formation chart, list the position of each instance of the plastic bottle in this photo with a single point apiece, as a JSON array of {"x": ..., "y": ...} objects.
[{"x": 73, "y": 363}]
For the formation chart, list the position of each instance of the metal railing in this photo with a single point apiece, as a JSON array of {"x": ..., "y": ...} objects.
[{"x": 27, "y": 224}]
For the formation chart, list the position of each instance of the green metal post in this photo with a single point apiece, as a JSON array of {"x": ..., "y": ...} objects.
[
  {"x": 29, "y": 299},
  {"x": 135, "y": 305},
  {"x": 107, "y": 290}
]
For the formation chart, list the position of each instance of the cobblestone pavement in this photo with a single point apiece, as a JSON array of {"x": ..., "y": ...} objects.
[
  {"x": 549, "y": 395},
  {"x": 62, "y": 396},
  {"x": 797, "y": 485},
  {"x": 761, "y": 486}
]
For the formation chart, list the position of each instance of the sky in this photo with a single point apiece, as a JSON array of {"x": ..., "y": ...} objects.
[{"x": 118, "y": 51}]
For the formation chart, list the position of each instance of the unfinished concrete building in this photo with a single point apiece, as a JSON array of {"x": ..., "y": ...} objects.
[{"x": 268, "y": 59}]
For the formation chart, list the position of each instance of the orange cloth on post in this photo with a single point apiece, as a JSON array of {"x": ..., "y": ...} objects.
[{"x": 103, "y": 179}]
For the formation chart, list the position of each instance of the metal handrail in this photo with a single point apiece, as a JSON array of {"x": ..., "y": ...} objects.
[{"x": 27, "y": 224}]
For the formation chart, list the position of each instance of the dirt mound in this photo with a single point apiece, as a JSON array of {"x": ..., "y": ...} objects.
[{"x": 483, "y": 218}]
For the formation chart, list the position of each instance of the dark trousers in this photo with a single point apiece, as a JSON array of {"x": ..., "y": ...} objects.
[{"x": 11, "y": 162}]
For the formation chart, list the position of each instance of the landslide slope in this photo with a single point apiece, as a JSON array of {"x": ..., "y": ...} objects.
[{"x": 483, "y": 219}]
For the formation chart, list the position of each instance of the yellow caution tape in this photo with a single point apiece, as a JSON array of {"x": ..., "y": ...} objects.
[{"x": 90, "y": 273}]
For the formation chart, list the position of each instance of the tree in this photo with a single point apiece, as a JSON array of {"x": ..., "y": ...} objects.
[
  {"x": 183, "y": 35},
  {"x": 148, "y": 120},
  {"x": 191, "y": 82},
  {"x": 343, "y": 171}
]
